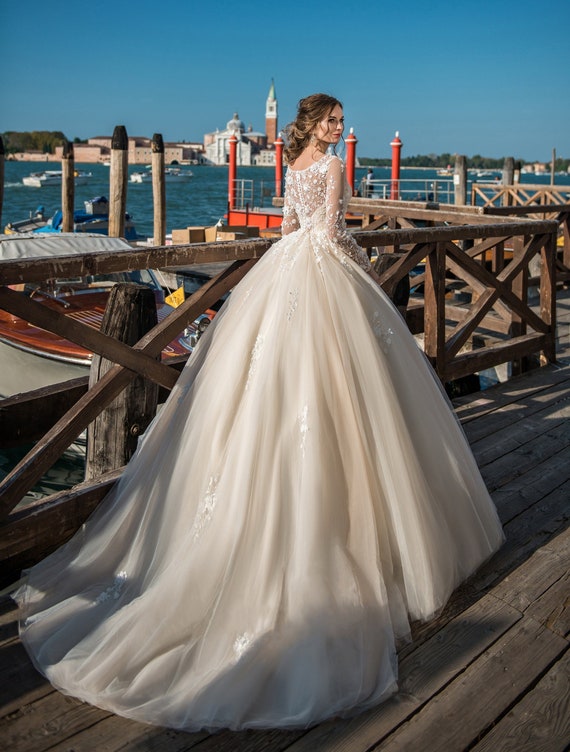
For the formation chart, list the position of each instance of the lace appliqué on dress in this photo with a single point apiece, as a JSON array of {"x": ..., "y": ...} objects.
[
  {"x": 241, "y": 644},
  {"x": 255, "y": 355},
  {"x": 384, "y": 334},
  {"x": 293, "y": 302},
  {"x": 114, "y": 590},
  {"x": 206, "y": 508},
  {"x": 304, "y": 428}
]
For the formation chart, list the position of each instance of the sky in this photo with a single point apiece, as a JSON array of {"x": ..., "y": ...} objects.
[{"x": 457, "y": 76}]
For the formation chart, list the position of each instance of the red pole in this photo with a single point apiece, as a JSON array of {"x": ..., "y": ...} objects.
[
  {"x": 278, "y": 166},
  {"x": 232, "y": 172},
  {"x": 351, "y": 142},
  {"x": 396, "y": 145}
]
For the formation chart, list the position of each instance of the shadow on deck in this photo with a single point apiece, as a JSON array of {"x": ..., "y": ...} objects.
[{"x": 491, "y": 673}]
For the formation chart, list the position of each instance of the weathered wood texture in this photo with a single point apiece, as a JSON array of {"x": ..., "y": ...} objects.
[
  {"x": 490, "y": 673},
  {"x": 112, "y": 437},
  {"x": 118, "y": 179},
  {"x": 67, "y": 187},
  {"x": 158, "y": 190}
]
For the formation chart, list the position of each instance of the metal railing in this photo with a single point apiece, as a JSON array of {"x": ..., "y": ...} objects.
[{"x": 431, "y": 189}]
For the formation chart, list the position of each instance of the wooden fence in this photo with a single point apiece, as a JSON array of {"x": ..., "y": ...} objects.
[
  {"x": 450, "y": 259},
  {"x": 519, "y": 194}
]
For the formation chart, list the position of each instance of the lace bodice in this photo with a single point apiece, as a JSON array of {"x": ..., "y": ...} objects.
[{"x": 316, "y": 198}]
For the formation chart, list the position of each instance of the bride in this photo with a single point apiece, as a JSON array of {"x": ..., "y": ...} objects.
[{"x": 304, "y": 494}]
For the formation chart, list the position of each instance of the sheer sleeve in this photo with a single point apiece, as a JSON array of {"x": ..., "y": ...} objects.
[
  {"x": 336, "y": 224},
  {"x": 290, "y": 218}
]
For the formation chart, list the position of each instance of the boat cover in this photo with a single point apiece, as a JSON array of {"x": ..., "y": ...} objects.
[{"x": 33, "y": 245}]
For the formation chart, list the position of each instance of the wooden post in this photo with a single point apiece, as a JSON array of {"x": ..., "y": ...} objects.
[
  {"x": 553, "y": 167},
  {"x": 508, "y": 179},
  {"x": 351, "y": 142},
  {"x": 1, "y": 178},
  {"x": 67, "y": 187},
  {"x": 112, "y": 437},
  {"x": 460, "y": 180},
  {"x": 520, "y": 287},
  {"x": 118, "y": 182},
  {"x": 158, "y": 190},
  {"x": 434, "y": 308}
]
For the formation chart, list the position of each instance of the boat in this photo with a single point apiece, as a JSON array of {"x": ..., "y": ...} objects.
[
  {"x": 171, "y": 175},
  {"x": 33, "y": 222},
  {"x": 54, "y": 177},
  {"x": 445, "y": 171},
  {"x": 30, "y": 357},
  {"x": 94, "y": 218}
]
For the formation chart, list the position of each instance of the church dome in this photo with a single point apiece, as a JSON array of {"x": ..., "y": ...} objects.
[{"x": 235, "y": 124}]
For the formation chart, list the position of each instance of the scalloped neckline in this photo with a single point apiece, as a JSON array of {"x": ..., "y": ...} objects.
[{"x": 310, "y": 167}]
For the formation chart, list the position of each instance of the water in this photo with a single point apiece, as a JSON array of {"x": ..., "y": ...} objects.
[{"x": 201, "y": 201}]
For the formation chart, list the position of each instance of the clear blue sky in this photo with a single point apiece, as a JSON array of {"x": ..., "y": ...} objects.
[{"x": 485, "y": 77}]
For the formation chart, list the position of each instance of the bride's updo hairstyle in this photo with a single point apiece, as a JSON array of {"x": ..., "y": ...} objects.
[{"x": 310, "y": 112}]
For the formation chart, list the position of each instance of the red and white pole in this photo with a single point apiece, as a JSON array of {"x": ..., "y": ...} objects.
[
  {"x": 396, "y": 145},
  {"x": 278, "y": 166},
  {"x": 351, "y": 142},
  {"x": 232, "y": 172}
]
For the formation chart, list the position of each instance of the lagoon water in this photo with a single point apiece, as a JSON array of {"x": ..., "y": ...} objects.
[{"x": 201, "y": 201}]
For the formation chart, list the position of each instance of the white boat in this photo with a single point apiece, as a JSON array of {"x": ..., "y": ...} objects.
[
  {"x": 53, "y": 177},
  {"x": 171, "y": 175}
]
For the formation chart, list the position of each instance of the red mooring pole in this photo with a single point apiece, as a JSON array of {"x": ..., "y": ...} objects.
[
  {"x": 278, "y": 166},
  {"x": 232, "y": 172},
  {"x": 351, "y": 142},
  {"x": 396, "y": 145}
]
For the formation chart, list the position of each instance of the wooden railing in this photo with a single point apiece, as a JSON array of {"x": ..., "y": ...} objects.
[
  {"x": 494, "y": 302},
  {"x": 519, "y": 194}
]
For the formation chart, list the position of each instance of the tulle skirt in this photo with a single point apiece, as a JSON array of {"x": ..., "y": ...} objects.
[{"x": 305, "y": 493}]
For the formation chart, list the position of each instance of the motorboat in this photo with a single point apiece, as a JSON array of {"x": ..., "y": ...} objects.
[
  {"x": 445, "y": 171},
  {"x": 171, "y": 175},
  {"x": 93, "y": 218},
  {"x": 30, "y": 357},
  {"x": 54, "y": 177},
  {"x": 33, "y": 222}
]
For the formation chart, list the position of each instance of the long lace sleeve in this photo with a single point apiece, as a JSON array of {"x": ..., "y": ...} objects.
[
  {"x": 336, "y": 224},
  {"x": 290, "y": 218}
]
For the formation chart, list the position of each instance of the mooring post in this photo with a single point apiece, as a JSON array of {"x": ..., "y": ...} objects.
[
  {"x": 158, "y": 190},
  {"x": 1, "y": 177},
  {"x": 351, "y": 142},
  {"x": 113, "y": 435},
  {"x": 67, "y": 186},
  {"x": 396, "y": 145},
  {"x": 460, "y": 180},
  {"x": 118, "y": 182},
  {"x": 279, "y": 166},
  {"x": 232, "y": 171},
  {"x": 508, "y": 179}
]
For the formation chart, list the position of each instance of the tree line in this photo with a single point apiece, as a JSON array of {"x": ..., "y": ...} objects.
[
  {"x": 436, "y": 161},
  {"x": 42, "y": 141}
]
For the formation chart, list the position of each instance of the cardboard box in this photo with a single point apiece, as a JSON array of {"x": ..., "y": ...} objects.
[
  {"x": 188, "y": 235},
  {"x": 237, "y": 232}
]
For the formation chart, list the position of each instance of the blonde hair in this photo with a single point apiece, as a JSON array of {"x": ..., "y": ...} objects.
[{"x": 310, "y": 112}]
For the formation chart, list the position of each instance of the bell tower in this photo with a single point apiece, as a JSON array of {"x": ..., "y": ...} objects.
[{"x": 271, "y": 116}]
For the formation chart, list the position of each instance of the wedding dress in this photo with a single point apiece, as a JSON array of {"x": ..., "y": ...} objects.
[{"x": 304, "y": 494}]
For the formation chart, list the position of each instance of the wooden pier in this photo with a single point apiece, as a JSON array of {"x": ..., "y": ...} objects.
[{"x": 491, "y": 674}]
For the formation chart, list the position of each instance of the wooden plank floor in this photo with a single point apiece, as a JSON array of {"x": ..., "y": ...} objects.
[{"x": 491, "y": 674}]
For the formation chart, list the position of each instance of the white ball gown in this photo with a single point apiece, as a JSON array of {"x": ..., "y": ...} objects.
[{"x": 304, "y": 494}]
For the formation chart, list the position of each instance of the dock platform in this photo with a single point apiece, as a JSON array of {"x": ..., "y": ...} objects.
[{"x": 490, "y": 674}]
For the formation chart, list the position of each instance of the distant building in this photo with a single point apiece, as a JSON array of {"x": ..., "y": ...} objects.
[
  {"x": 98, "y": 149},
  {"x": 253, "y": 147}
]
